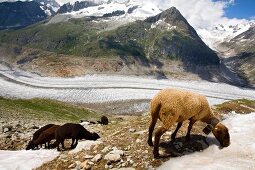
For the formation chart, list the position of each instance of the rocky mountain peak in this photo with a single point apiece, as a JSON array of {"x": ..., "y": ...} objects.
[{"x": 173, "y": 17}]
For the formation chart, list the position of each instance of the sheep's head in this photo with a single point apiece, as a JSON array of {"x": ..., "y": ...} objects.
[
  {"x": 221, "y": 133},
  {"x": 30, "y": 145},
  {"x": 94, "y": 136}
]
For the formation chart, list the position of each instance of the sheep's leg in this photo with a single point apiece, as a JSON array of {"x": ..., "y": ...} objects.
[
  {"x": 191, "y": 123},
  {"x": 179, "y": 125},
  {"x": 151, "y": 128},
  {"x": 62, "y": 143},
  {"x": 76, "y": 143},
  {"x": 158, "y": 134},
  {"x": 48, "y": 144},
  {"x": 57, "y": 144},
  {"x": 72, "y": 145}
]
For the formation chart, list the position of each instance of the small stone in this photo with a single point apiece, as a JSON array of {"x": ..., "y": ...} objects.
[
  {"x": 5, "y": 130},
  {"x": 78, "y": 165},
  {"x": 108, "y": 166},
  {"x": 97, "y": 158},
  {"x": 112, "y": 157},
  {"x": 85, "y": 165},
  {"x": 106, "y": 149},
  {"x": 138, "y": 141},
  {"x": 88, "y": 156},
  {"x": 34, "y": 127},
  {"x": 132, "y": 130},
  {"x": 117, "y": 151},
  {"x": 146, "y": 151},
  {"x": 131, "y": 162},
  {"x": 71, "y": 166}
]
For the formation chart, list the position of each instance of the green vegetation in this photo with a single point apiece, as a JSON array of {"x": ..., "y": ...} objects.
[
  {"x": 85, "y": 38},
  {"x": 44, "y": 109},
  {"x": 239, "y": 106}
]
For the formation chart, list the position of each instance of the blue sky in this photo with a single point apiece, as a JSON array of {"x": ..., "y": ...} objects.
[{"x": 241, "y": 9}]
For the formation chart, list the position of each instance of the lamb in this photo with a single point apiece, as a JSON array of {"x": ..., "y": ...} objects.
[
  {"x": 37, "y": 134},
  {"x": 75, "y": 132},
  {"x": 177, "y": 105},
  {"x": 45, "y": 137}
]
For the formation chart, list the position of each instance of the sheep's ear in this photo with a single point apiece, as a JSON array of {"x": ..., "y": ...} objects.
[{"x": 208, "y": 129}]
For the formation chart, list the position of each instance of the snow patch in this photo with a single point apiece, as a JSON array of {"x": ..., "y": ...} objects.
[
  {"x": 84, "y": 145},
  {"x": 239, "y": 155},
  {"x": 25, "y": 160}
]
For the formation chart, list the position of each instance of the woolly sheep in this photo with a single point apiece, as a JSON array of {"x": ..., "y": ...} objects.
[
  {"x": 45, "y": 137},
  {"x": 75, "y": 132},
  {"x": 37, "y": 134},
  {"x": 177, "y": 105}
]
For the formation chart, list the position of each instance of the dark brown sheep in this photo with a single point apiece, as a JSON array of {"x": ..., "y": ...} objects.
[
  {"x": 75, "y": 132},
  {"x": 37, "y": 134},
  {"x": 45, "y": 137},
  {"x": 103, "y": 121}
]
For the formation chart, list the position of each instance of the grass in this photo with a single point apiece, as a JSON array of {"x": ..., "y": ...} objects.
[
  {"x": 44, "y": 109},
  {"x": 243, "y": 106}
]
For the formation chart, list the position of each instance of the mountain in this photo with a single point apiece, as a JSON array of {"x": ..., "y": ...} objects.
[
  {"x": 20, "y": 14},
  {"x": 78, "y": 5},
  {"x": 220, "y": 33},
  {"x": 164, "y": 45},
  {"x": 50, "y": 7},
  {"x": 167, "y": 35},
  {"x": 241, "y": 54}
]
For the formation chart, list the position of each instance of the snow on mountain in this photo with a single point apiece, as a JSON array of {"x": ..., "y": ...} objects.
[
  {"x": 139, "y": 10},
  {"x": 220, "y": 33},
  {"x": 133, "y": 10},
  {"x": 50, "y": 7}
]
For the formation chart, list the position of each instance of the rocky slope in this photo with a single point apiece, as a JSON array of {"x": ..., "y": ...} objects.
[
  {"x": 240, "y": 53},
  {"x": 123, "y": 143},
  {"x": 78, "y": 5}
]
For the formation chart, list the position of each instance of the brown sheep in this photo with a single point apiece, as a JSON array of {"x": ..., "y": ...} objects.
[
  {"x": 45, "y": 137},
  {"x": 177, "y": 105},
  {"x": 75, "y": 132},
  {"x": 37, "y": 134}
]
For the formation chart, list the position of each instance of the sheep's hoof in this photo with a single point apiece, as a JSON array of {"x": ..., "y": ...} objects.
[
  {"x": 173, "y": 138},
  {"x": 150, "y": 143},
  {"x": 156, "y": 156}
]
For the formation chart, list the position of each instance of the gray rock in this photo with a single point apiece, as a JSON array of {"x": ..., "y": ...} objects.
[
  {"x": 88, "y": 156},
  {"x": 106, "y": 149},
  {"x": 86, "y": 165},
  {"x": 117, "y": 151},
  {"x": 97, "y": 158},
  {"x": 132, "y": 130},
  {"x": 112, "y": 157}
]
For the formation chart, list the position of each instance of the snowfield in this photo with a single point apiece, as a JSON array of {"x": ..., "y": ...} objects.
[
  {"x": 25, "y": 160},
  {"x": 105, "y": 88},
  {"x": 240, "y": 155}
]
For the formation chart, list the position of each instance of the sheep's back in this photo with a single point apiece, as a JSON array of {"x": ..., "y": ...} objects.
[{"x": 180, "y": 104}]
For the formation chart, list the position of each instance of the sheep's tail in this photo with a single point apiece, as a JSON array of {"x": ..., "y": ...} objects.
[{"x": 155, "y": 107}]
